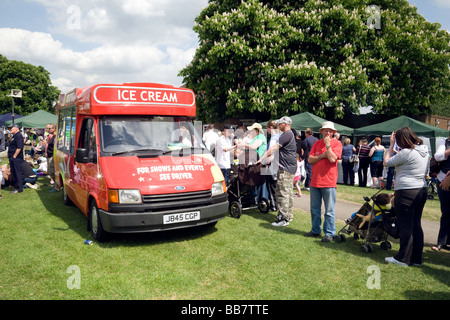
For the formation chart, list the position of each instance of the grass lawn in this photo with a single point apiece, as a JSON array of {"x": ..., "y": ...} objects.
[{"x": 43, "y": 251}]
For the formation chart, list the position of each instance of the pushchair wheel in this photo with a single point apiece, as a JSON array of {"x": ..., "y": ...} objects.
[
  {"x": 235, "y": 209},
  {"x": 386, "y": 245},
  {"x": 263, "y": 205},
  {"x": 340, "y": 238},
  {"x": 367, "y": 248}
]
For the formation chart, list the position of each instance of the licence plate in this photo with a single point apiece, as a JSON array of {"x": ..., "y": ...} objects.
[{"x": 181, "y": 217}]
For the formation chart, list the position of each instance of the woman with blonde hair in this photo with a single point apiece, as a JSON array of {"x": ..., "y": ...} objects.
[{"x": 411, "y": 167}]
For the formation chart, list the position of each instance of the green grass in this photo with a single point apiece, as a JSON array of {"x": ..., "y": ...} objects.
[{"x": 242, "y": 258}]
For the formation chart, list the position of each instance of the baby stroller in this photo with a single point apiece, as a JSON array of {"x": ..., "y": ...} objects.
[
  {"x": 242, "y": 189},
  {"x": 367, "y": 223}
]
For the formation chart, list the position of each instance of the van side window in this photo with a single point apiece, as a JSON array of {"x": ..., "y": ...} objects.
[
  {"x": 66, "y": 129},
  {"x": 87, "y": 139}
]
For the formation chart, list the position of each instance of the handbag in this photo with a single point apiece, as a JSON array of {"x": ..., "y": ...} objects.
[
  {"x": 390, "y": 225},
  {"x": 356, "y": 161},
  {"x": 354, "y": 158}
]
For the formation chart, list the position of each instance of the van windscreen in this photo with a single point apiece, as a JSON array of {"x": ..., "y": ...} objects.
[{"x": 125, "y": 134}]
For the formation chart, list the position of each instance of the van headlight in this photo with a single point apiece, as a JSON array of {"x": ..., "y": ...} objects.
[
  {"x": 217, "y": 188},
  {"x": 129, "y": 196},
  {"x": 124, "y": 196}
]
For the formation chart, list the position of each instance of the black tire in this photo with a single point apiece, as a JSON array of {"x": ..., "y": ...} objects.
[
  {"x": 263, "y": 205},
  {"x": 235, "y": 209},
  {"x": 95, "y": 224},
  {"x": 340, "y": 238},
  {"x": 367, "y": 248},
  {"x": 386, "y": 245}
]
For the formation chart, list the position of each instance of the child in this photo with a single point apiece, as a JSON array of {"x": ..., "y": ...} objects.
[
  {"x": 298, "y": 175},
  {"x": 381, "y": 204}
]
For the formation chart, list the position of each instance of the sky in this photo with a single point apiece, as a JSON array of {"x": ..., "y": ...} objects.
[{"x": 84, "y": 42}]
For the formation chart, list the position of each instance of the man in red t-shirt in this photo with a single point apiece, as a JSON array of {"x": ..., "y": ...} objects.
[{"x": 324, "y": 157}]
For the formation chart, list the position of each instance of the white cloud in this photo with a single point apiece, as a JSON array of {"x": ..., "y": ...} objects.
[
  {"x": 442, "y": 3},
  {"x": 127, "y": 63},
  {"x": 128, "y": 41},
  {"x": 142, "y": 8}
]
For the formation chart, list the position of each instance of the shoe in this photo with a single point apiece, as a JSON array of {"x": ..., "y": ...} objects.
[
  {"x": 15, "y": 191},
  {"x": 311, "y": 234},
  {"x": 32, "y": 186},
  {"x": 280, "y": 223},
  {"x": 392, "y": 260},
  {"x": 327, "y": 239},
  {"x": 53, "y": 190}
]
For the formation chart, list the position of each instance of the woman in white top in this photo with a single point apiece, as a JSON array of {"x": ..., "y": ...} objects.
[{"x": 411, "y": 167}]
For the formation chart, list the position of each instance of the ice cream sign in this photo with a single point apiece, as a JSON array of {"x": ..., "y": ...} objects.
[{"x": 143, "y": 96}]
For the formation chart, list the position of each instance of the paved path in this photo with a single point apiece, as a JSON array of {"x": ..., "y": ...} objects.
[{"x": 344, "y": 209}]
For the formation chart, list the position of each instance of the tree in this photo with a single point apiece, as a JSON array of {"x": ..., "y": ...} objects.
[
  {"x": 283, "y": 57},
  {"x": 38, "y": 93}
]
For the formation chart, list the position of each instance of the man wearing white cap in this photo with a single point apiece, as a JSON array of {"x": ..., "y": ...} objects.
[
  {"x": 324, "y": 157},
  {"x": 287, "y": 166}
]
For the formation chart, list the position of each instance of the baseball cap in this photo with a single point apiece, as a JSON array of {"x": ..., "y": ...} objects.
[{"x": 284, "y": 119}]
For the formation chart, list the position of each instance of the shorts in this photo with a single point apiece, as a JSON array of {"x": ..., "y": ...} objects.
[{"x": 376, "y": 169}]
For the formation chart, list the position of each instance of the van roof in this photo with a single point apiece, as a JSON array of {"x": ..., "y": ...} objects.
[{"x": 132, "y": 98}]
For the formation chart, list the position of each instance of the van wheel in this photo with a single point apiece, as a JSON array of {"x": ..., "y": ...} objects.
[
  {"x": 95, "y": 224},
  {"x": 66, "y": 198}
]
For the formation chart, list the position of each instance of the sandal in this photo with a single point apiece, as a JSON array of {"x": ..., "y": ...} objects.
[{"x": 437, "y": 247}]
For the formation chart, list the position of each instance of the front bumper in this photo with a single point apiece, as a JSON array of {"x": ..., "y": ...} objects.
[{"x": 133, "y": 222}]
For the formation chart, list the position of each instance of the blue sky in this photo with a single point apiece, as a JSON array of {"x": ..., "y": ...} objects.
[{"x": 82, "y": 42}]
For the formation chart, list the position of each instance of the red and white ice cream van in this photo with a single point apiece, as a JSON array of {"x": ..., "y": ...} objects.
[{"x": 130, "y": 158}]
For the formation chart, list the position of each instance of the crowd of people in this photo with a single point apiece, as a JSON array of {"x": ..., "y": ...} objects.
[
  {"x": 315, "y": 161},
  {"x": 29, "y": 155},
  {"x": 290, "y": 160}
]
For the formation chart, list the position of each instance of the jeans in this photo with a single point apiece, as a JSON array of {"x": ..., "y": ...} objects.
[
  {"x": 328, "y": 195},
  {"x": 226, "y": 175},
  {"x": 32, "y": 180},
  {"x": 308, "y": 168}
]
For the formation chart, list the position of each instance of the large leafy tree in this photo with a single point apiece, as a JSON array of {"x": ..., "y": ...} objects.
[
  {"x": 38, "y": 93},
  {"x": 326, "y": 57}
]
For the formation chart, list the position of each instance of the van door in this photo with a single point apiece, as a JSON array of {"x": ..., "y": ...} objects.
[{"x": 86, "y": 172}]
